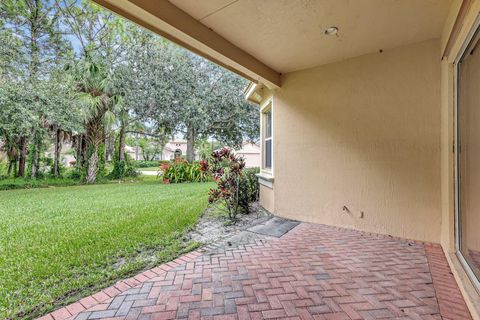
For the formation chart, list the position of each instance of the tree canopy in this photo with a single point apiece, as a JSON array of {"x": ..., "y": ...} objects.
[{"x": 71, "y": 70}]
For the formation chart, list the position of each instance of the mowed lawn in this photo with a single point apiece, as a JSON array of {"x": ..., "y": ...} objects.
[{"x": 59, "y": 244}]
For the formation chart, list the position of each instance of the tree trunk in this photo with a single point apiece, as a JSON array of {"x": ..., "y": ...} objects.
[
  {"x": 34, "y": 65},
  {"x": 23, "y": 156},
  {"x": 78, "y": 152},
  {"x": 10, "y": 167},
  {"x": 58, "y": 148},
  {"x": 136, "y": 145},
  {"x": 94, "y": 138},
  {"x": 35, "y": 155},
  {"x": 121, "y": 142},
  {"x": 110, "y": 147},
  {"x": 190, "y": 144},
  {"x": 12, "y": 154},
  {"x": 33, "y": 173},
  {"x": 92, "y": 169},
  {"x": 82, "y": 155}
]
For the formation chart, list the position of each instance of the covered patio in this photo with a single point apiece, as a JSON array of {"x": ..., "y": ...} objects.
[
  {"x": 311, "y": 272},
  {"x": 362, "y": 140}
]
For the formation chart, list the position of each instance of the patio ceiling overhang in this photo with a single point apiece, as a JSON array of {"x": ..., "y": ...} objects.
[
  {"x": 170, "y": 22},
  {"x": 262, "y": 39}
]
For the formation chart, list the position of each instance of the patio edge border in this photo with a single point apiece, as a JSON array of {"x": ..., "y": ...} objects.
[
  {"x": 449, "y": 297},
  {"x": 71, "y": 310}
]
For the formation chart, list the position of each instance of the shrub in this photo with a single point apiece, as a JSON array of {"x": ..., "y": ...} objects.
[
  {"x": 131, "y": 172},
  {"x": 61, "y": 169},
  {"x": 122, "y": 169},
  {"x": 27, "y": 183},
  {"x": 227, "y": 170},
  {"x": 180, "y": 171},
  {"x": 3, "y": 169},
  {"x": 249, "y": 188},
  {"x": 75, "y": 174}
]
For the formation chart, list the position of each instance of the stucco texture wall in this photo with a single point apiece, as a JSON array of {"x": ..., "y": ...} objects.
[
  {"x": 267, "y": 198},
  {"x": 362, "y": 133}
]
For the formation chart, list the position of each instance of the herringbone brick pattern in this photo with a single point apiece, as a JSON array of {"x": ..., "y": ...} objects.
[{"x": 312, "y": 272}]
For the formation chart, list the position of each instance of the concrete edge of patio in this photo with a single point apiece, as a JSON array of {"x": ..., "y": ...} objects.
[{"x": 107, "y": 294}]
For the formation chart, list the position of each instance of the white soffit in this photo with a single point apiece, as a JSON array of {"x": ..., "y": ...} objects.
[{"x": 288, "y": 35}]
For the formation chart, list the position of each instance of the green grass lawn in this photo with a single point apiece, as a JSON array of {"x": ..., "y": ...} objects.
[
  {"x": 59, "y": 244},
  {"x": 21, "y": 183}
]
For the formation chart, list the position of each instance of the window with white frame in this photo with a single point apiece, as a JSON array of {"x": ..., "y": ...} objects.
[{"x": 267, "y": 137}]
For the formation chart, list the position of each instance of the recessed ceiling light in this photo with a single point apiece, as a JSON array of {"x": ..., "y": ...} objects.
[{"x": 331, "y": 31}]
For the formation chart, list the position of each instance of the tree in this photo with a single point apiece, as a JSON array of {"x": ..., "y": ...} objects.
[
  {"x": 150, "y": 148},
  {"x": 98, "y": 33},
  {"x": 210, "y": 103},
  {"x": 141, "y": 81},
  {"x": 99, "y": 105},
  {"x": 15, "y": 120},
  {"x": 39, "y": 44},
  {"x": 15, "y": 117},
  {"x": 178, "y": 91},
  {"x": 63, "y": 112},
  {"x": 121, "y": 79}
]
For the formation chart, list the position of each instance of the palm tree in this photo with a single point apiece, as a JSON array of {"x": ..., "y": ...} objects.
[{"x": 93, "y": 86}]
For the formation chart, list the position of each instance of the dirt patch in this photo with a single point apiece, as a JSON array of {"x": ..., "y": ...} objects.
[{"x": 214, "y": 225}]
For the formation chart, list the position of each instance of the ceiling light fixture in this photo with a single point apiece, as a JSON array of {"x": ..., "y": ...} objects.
[{"x": 331, "y": 31}]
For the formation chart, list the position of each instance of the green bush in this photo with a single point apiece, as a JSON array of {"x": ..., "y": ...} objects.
[
  {"x": 75, "y": 174},
  {"x": 237, "y": 187},
  {"x": 61, "y": 169},
  {"x": 122, "y": 169},
  {"x": 249, "y": 188},
  {"x": 131, "y": 172},
  {"x": 226, "y": 169},
  {"x": 180, "y": 171},
  {"x": 26, "y": 183},
  {"x": 3, "y": 169}
]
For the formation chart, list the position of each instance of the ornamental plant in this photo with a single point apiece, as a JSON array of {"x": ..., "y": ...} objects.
[
  {"x": 226, "y": 169},
  {"x": 179, "y": 171}
]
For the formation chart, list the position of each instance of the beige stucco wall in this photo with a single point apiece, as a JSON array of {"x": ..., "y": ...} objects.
[
  {"x": 267, "y": 198},
  {"x": 363, "y": 133}
]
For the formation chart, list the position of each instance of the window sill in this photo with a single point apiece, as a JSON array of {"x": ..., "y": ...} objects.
[{"x": 265, "y": 179}]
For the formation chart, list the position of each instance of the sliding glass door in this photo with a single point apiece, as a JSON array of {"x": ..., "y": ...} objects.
[{"x": 468, "y": 158}]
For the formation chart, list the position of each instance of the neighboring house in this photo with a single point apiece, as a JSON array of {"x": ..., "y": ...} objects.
[
  {"x": 173, "y": 149},
  {"x": 133, "y": 153},
  {"x": 67, "y": 158},
  {"x": 251, "y": 154},
  {"x": 170, "y": 150},
  {"x": 358, "y": 100}
]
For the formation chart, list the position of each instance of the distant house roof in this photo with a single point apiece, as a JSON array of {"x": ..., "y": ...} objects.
[{"x": 249, "y": 148}]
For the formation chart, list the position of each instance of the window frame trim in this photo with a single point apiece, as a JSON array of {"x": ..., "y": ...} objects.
[
  {"x": 264, "y": 108},
  {"x": 475, "y": 28}
]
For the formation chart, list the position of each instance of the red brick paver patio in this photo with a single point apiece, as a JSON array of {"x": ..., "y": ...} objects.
[{"x": 312, "y": 272}]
